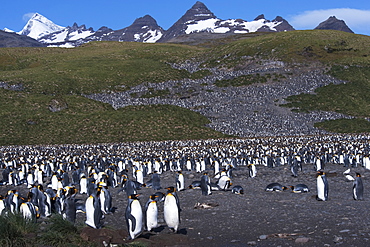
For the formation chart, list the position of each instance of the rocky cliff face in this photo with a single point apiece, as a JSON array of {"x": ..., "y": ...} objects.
[{"x": 332, "y": 23}]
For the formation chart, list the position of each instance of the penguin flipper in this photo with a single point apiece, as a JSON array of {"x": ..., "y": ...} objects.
[{"x": 131, "y": 218}]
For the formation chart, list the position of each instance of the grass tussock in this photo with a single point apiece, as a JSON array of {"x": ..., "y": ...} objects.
[
  {"x": 16, "y": 230},
  {"x": 59, "y": 232}
]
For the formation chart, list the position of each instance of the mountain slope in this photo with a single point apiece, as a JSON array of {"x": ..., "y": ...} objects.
[{"x": 8, "y": 39}]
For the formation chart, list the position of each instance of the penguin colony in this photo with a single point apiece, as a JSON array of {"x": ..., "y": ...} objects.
[{"x": 54, "y": 175}]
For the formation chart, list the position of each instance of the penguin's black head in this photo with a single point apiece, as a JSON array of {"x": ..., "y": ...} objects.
[
  {"x": 320, "y": 173},
  {"x": 40, "y": 187},
  {"x": 170, "y": 189},
  {"x": 358, "y": 174},
  {"x": 134, "y": 196},
  {"x": 153, "y": 197},
  {"x": 29, "y": 195}
]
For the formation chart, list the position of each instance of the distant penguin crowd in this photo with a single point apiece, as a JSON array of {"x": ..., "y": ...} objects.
[{"x": 38, "y": 181}]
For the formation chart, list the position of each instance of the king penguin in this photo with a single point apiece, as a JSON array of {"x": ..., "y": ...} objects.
[
  {"x": 237, "y": 189},
  {"x": 252, "y": 171},
  {"x": 224, "y": 182},
  {"x": 205, "y": 184},
  {"x": 300, "y": 188},
  {"x": 275, "y": 187},
  {"x": 358, "y": 188},
  {"x": 180, "y": 181},
  {"x": 134, "y": 216},
  {"x": 171, "y": 209},
  {"x": 322, "y": 187},
  {"x": 93, "y": 211},
  {"x": 28, "y": 210},
  {"x": 156, "y": 180},
  {"x": 105, "y": 199},
  {"x": 151, "y": 213}
]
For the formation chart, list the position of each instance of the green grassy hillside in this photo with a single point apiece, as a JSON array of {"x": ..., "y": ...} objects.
[
  {"x": 94, "y": 67},
  {"x": 66, "y": 74},
  {"x": 343, "y": 55}
]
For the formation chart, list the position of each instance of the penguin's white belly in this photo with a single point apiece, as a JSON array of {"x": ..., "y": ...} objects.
[
  {"x": 2, "y": 206},
  {"x": 137, "y": 212},
  {"x": 152, "y": 216},
  {"x": 354, "y": 193},
  {"x": 171, "y": 214},
  {"x": 83, "y": 186},
  {"x": 54, "y": 183},
  {"x": 90, "y": 212},
  {"x": 25, "y": 210},
  {"x": 102, "y": 202},
  {"x": 181, "y": 185},
  {"x": 140, "y": 177},
  {"x": 320, "y": 189}
]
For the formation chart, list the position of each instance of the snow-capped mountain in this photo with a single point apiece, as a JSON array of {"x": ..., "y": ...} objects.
[
  {"x": 67, "y": 37},
  {"x": 39, "y": 26},
  {"x": 144, "y": 29},
  {"x": 198, "y": 19}
]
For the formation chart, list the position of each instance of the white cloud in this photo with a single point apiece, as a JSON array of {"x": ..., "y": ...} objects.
[
  {"x": 27, "y": 16},
  {"x": 356, "y": 19}
]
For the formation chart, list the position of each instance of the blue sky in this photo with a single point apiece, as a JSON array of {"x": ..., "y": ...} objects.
[{"x": 118, "y": 14}]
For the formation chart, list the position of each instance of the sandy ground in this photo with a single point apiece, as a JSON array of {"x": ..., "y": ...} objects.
[{"x": 256, "y": 218}]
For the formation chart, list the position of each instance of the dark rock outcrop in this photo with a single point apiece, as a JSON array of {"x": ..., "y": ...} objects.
[
  {"x": 283, "y": 26},
  {"x": 332, "y": 23}
]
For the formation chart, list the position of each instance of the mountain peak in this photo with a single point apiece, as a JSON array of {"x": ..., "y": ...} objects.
[
  {"x": 143, "y": 29},
  {"x": 199, "y": 5},
  {"x": 260, "y": 17},
  {"x": 198, "y": 12},
  {"x": 147, "y": 20},
  {"x": 39, "y": 26},
  {"x": 332, "y": 23}
]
